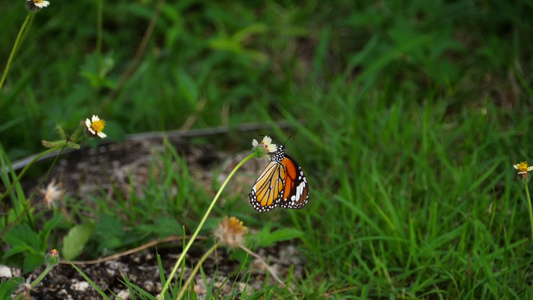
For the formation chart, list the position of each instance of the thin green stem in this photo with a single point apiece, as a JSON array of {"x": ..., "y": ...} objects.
[
  {"x": 99, "y": 26},
  {"x": 530, "y": 209},
  {"x": 92, "y": 283},
  {"x": 189, "y": 244},
  {"x": 195, "y": 270},
  {"x": 36, "y": 281},
  {"x": 15, "y": 46}
]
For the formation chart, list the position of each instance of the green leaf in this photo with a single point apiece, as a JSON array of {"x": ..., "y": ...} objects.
[
  {"x": 163, "y": 227},
  {"x": 245, "y": 33},
  {"x": 18, "y": 249},
  {"x": 22, "y": 237},
  {"x": 187, "y": 87},
  {"x": 109, "y": 232},
  {"x": 8, "y": 287},
  {"x": 75, "y": 240},
  {"x": 47, "y": 229},
  {"x": 266, "y": 238},
  {"x": 33, "y": 261},
  {"x": 225, "y": 44}
]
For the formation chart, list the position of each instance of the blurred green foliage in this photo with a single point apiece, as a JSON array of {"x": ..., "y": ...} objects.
[{"x": 234, "y": 62}]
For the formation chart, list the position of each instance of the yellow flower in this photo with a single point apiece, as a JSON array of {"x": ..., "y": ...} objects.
[
  {"x": 265, "y": 147},
  {"x": 52, "y": 193},
  {"x": 95, "y": 126},
  {"x": 230, "y": 232},
  {"x": 523, "y": 168},
  {"x": 36, "y": 5}
]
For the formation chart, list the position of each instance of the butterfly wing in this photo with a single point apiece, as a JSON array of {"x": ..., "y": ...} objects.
[
  {"x": 295, "y": 194},
  {"x": 266, "y": 191},
  {"x": 281, "y": 184}
]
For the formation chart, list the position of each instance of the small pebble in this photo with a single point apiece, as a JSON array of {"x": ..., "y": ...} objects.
[
  {"x": 5, "y": 272},
  {"x": 124, "y": 295},
  {"x": 80, "y": 286}
]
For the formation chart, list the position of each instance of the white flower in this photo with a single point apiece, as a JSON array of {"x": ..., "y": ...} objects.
[
  {"x": 523, "y": 168},
  {"x": 264, "y": 148},
  {"x": 36, "y": 5},
  {"x": 52, "y": 193},
  {"x": 41, "y": 3},
  {"x": 96, "y": 126},
  {"x": 267, "y": 144}
]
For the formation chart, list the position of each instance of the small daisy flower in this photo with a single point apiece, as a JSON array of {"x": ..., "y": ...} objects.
[
  {"x": 230, "y": 232},
  {"x": 523, "y": 171},
  {"x": 52, "y": 193},
  {"x": 265, "y": 147},
  {"x": 95, "y": 126},
  {"x": 523, "y": 168},
  {"x": 36, "y": 5}
]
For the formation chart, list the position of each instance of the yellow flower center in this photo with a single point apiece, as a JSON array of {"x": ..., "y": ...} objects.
[
  {"x": 523, "y": 167},
  {"x": 37, "y": 1},
  {"x": 98, "y": 126}
]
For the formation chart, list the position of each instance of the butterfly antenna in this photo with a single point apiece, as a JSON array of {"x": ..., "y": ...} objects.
[{"x": 287, "y": 140}]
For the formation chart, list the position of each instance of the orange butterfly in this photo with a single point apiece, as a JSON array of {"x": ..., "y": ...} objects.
[{"x": 282, "y": 184}]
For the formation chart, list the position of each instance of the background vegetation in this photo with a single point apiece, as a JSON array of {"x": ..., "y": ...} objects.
[{"x": 406, "y": 116}]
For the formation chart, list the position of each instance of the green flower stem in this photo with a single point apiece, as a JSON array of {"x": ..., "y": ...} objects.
[
  {"x": 26, "y": 168},
  {"x": 12, "y": 55},
  {"x": 36, "y": 281},
  {"x": 530, "y": 209},
  {"x": 189, "y": 244},
  {"x": 195, "y": 270}
]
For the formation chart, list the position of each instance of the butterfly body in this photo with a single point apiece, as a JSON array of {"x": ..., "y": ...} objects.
[{"x": 281, "y": 184}]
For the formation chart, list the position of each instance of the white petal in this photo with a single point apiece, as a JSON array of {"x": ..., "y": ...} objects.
[
  {"x": 254, "y": 143},
  {"x": 272, "y": 148},
  {"x": 42, "y": 4},
  {"x": 267, "y": 140},
  {"x": 102, "y": 135}
]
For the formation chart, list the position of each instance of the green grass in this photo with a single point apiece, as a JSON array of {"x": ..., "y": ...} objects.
[{"x": 406, "y": 117}]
